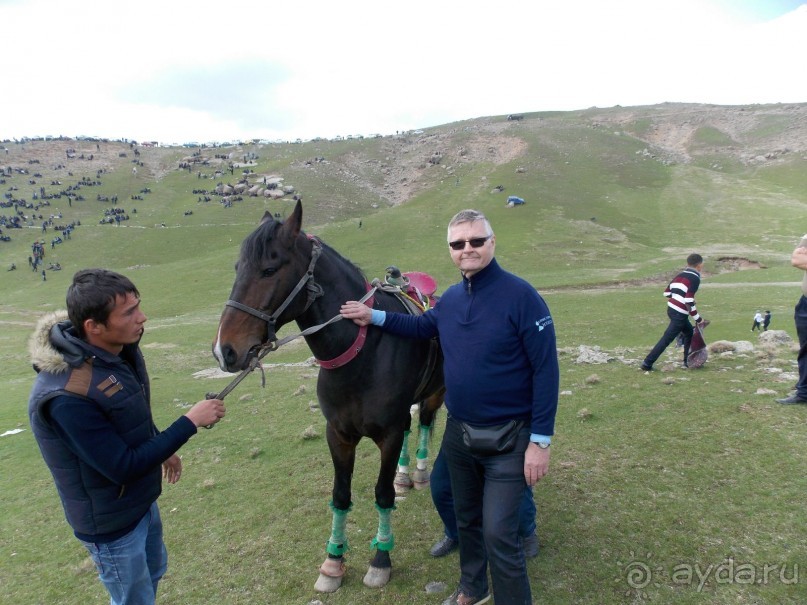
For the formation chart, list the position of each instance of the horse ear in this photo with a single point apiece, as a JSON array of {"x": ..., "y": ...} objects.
[
  {"x": 267, "y": 216},
  {"x": 292, "y": 225}
]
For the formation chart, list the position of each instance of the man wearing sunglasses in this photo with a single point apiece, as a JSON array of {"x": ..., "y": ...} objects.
[{"x": 502, "y": 378}]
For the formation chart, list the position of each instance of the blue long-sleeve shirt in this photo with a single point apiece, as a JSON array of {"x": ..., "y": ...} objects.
[{"x": 499, "y": 349}]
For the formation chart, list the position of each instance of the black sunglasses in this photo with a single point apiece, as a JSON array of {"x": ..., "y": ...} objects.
[{"x": 476, "y": 242}]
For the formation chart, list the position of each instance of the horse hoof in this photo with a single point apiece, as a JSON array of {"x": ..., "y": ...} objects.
[
  {"x": 330, "y": 575},
  {"x": 327, "y": 583},
  {"x": 422, "y": 479},
  {"x": 403, "y": 483},
  {"x": 377, "y": 577}
]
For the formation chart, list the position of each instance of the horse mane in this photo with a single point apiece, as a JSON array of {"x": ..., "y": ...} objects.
[
  {"x": 254, "y": 247},
  {"x": 350, "y": 265}
]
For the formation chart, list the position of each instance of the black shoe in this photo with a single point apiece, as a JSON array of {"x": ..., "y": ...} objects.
[
  {"x": 530, "y": 546},
  {"x": 443, "y": 547},
  {"x": 791, "y": 400},
  {"x": 645, "y": 368},
  {"x": 460, "y": 598}
]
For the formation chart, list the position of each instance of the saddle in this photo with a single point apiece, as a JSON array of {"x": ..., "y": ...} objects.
[{"x": 414, "y": 289}]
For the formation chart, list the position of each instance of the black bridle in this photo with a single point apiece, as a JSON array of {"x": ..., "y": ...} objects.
[
  {"x": 306, "y": 281},
  {"x": 272, "y": 344}
]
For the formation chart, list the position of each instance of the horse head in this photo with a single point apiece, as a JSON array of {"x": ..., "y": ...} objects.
[{"x": 272, "y": 287}]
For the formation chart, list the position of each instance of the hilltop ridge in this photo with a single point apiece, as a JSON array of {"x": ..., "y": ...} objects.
[
  {"x": 394, "y": 168},
  {"x": 626, "y": 178}
]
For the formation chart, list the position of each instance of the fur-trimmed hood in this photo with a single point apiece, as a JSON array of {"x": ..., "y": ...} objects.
[{"x": 53, "y": 346}]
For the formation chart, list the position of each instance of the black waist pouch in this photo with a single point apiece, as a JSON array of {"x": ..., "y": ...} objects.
[{"x": 498, "y": 439}]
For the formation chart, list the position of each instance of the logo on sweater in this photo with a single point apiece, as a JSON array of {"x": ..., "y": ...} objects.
[
  {"x": 543, "y": 323},
  {"x": 110, "y": 386}
]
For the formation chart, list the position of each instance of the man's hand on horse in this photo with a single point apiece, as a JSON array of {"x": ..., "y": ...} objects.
[{"x": 360, "y": 313}]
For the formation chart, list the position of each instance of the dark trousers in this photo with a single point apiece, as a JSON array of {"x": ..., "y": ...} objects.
[
  {"x": 488, "y": 492},
  {"x": 801, "y": 329},
  {"x": 440, "y": 483},
  {"x": 679, "y": 324}
]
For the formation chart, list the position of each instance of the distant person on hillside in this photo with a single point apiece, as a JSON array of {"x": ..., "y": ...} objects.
[
  {"x": 757, "y": 325},
  {"x": 680, "y": 293},
  {"x": 91, "y": 414},
  {"x": 799, "y": 260},
  {"x": 766, "y": 321}
]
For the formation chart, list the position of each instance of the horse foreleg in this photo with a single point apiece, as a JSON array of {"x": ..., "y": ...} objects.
[
  {"x": 332, "y": 570},
  {"x": 380, "y": 569},
  {"x": 421, "y": 474},
  {"x": 378, "y": 573},
  {"x": 343, "y": 456},
  {"x": 403, "y": 482}
]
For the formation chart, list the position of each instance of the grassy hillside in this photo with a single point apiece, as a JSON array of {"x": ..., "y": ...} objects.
[{"x": 655, "y": 472}]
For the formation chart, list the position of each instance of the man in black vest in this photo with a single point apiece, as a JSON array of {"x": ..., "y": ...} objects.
[{"x": 90, "y": 411}]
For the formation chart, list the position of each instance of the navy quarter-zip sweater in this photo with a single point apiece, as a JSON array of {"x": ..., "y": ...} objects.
[{"x": 499, "y": 348}]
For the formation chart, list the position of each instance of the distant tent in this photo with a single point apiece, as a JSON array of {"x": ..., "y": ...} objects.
[{"x": 514, "y": 200}]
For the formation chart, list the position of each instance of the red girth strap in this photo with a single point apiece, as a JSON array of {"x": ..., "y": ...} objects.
[{"x": 353, "y": 350}]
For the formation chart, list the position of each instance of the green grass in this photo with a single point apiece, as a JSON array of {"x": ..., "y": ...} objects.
[
  {"x": 712, "y": 137},
  {"x": 676, "y": 472}
]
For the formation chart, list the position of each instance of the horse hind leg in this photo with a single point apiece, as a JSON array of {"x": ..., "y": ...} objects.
[
  {"x": 421, "y": 477},
  {"x": 428, "y": 410},
  {"x": 403, "y": 482}
]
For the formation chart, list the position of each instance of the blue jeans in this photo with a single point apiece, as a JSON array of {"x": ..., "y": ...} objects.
[
  {"x": 444, "y": 501},
  {"x": 488, "y": 493},
  {"x": 679, "y": 324},
  {"x": 131, "y": 566}
]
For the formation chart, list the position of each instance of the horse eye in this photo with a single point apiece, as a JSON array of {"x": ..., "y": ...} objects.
[{"x": 268, "y": 272}]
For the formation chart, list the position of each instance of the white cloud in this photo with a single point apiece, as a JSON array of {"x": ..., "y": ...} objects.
[{"x": 198, "y": 70}]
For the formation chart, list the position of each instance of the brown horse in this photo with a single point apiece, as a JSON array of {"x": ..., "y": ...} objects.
[{"x": 368, "y": 379}]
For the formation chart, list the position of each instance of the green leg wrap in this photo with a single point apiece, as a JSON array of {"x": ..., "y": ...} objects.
[
  {"x": 337, "y": 543},
  {"x": 384, "y": 540},
  {"x": 403, "y": 459},
  {"x": 423, "y": 442}
]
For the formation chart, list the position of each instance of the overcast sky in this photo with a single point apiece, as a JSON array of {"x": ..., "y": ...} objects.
[{"x": 178, "y": 71}]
